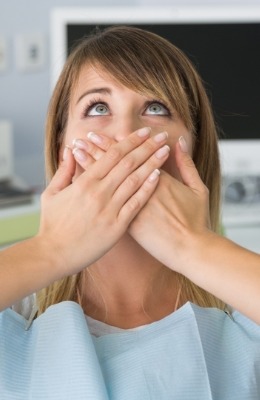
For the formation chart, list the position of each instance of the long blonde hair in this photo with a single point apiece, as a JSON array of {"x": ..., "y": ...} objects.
[{"x": 149, "y": 64}]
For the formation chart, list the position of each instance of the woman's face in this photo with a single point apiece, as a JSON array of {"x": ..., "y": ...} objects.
[{"x": 101, "y": 104}]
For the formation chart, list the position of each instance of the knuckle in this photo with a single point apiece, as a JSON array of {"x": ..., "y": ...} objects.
[
  {"x": 152, "y": 163},
  {"x": 114, "y": 153},
  {"x": 134, "y": 204},
  {"x": 147, "y": 187},
  {"x": 133, "y": 140},
  {"x": 132, "y": 181},
  {"x": 107, "y": 144},
  {"x": 95, "y": 153},
  {"x": 128, "y": 163},
  {"x": 150, "y": 146},
  {"x": 189, "y": 162}
]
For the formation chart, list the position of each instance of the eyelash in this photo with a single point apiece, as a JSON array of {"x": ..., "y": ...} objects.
[
  {"x": 160, "y": 104},
  {"x": 95, "y": 101}
]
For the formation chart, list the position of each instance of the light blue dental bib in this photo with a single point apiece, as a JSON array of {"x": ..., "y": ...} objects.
[{"x": 194, "y": 353}]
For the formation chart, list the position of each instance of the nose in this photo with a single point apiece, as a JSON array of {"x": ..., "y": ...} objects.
[{"x": 124, "y": 128}]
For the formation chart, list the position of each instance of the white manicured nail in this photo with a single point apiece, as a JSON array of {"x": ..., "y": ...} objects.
[
  {"x": 94, "y": 138},
  {"x": 143, "y": 132},
  {"x": 154, "y": 175},
  {"x": 80, "y": 144},
  {"x": 79, "y": 154},
  {"x": 162, "y": 152},
  {"x": 65, "y": 152},
  {"x": 183, "y": 144},
  {"x": 160, "y": 137}
]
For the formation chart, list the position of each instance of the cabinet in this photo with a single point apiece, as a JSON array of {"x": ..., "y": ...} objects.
[
  {"x": 19, "y": 222},
  {"x": 242, "y": 224}
]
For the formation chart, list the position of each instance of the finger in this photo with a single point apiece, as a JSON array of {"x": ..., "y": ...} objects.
[
  {"x": 138, "y": 157},
  {"x": 118, "y": 151},
  {"x": 88, "y": 147},
  {"x": 64, "y": 173},
  {"x": 82, "y": 158},
  {"x": 131, "y": 156},
  {"x": 132, "y": 207},
  {"x": 136, "y": 179},
  {"x": 103, "y": 142},
  {"x": 186, "y": 166}
]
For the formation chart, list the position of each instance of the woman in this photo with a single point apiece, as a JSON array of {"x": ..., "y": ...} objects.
[
  {"x": 139, "y": 273},
  {"x": 134, "y": 74}
]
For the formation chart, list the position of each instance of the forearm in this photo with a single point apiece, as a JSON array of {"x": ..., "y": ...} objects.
[
  {"x": 226, "y": 270},
  {"x": 25, "y": 268}
]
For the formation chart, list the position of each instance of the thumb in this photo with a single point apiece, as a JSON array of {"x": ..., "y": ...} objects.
[
  {"x": 64, "y": 174},
  {"x": 186, "y": 166}
]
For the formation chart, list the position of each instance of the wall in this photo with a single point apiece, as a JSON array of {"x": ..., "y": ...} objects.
[{"x": 24, "y": 96}]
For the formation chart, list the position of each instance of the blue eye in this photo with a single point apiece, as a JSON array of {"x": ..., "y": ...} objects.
[
  {"x": 157, "y": 109},
  {"x": 98, "y": 109}
]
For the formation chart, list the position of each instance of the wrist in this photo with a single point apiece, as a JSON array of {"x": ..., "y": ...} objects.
[
  {"x": 194, "y": 252},
  {"x": 27, "y": 267},
  {"x": 50, "y": 258}
]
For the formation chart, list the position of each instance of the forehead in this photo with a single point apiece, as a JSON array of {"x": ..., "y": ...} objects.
[{"x": 90, "y": 78}]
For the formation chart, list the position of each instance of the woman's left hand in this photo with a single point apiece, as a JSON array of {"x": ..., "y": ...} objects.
[{"x": 175, "y": 217}]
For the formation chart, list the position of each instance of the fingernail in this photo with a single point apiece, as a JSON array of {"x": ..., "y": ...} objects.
[
  {"x": 79, "y": 154},
  {"x": 143, "y": 132},
  {"x": 80, "y": 144},
  {"x": 183, "y": 144},
  {"x": 94, "y": 138},
  {"x": 65, "y": 152},
  {"x": 154, "y": 175},
  {"x": 160, "y": 137},
  {"x": 162, "y": 152}
]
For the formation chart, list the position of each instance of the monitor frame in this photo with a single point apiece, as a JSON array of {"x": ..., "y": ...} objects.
[{"x": 238, "y": 157}]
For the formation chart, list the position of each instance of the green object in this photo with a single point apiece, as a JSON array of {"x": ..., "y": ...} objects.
[{"x": 16, "y": 228}]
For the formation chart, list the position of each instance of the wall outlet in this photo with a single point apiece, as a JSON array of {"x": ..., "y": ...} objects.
[
  {"x": 30, "y": 52},
  {"x": 3, "y": 54}
]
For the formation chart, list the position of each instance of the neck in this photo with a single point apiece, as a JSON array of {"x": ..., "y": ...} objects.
[{"x": 129, "y": 288}]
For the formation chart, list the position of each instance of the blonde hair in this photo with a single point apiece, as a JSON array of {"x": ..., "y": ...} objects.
[{"x": 149, "y": 64}]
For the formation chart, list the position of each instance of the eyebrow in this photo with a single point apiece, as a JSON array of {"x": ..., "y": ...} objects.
[{"x": 94, "y": 90}]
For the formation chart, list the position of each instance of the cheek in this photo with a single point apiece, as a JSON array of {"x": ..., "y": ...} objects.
[
  {"x": 170, "y": 166},
  {"x": 76, "y": 129}
]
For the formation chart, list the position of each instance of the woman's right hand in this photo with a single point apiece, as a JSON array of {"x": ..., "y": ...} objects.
[{"x": 80, "y": 222}]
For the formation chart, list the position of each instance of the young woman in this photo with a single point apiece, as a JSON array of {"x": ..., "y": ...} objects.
[{"x": 129, "y": 102}]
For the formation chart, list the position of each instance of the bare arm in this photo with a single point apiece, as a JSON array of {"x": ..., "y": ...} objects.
[
  {"x": 25, "y": 268},
  {"x": 227, "y": 270}
]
